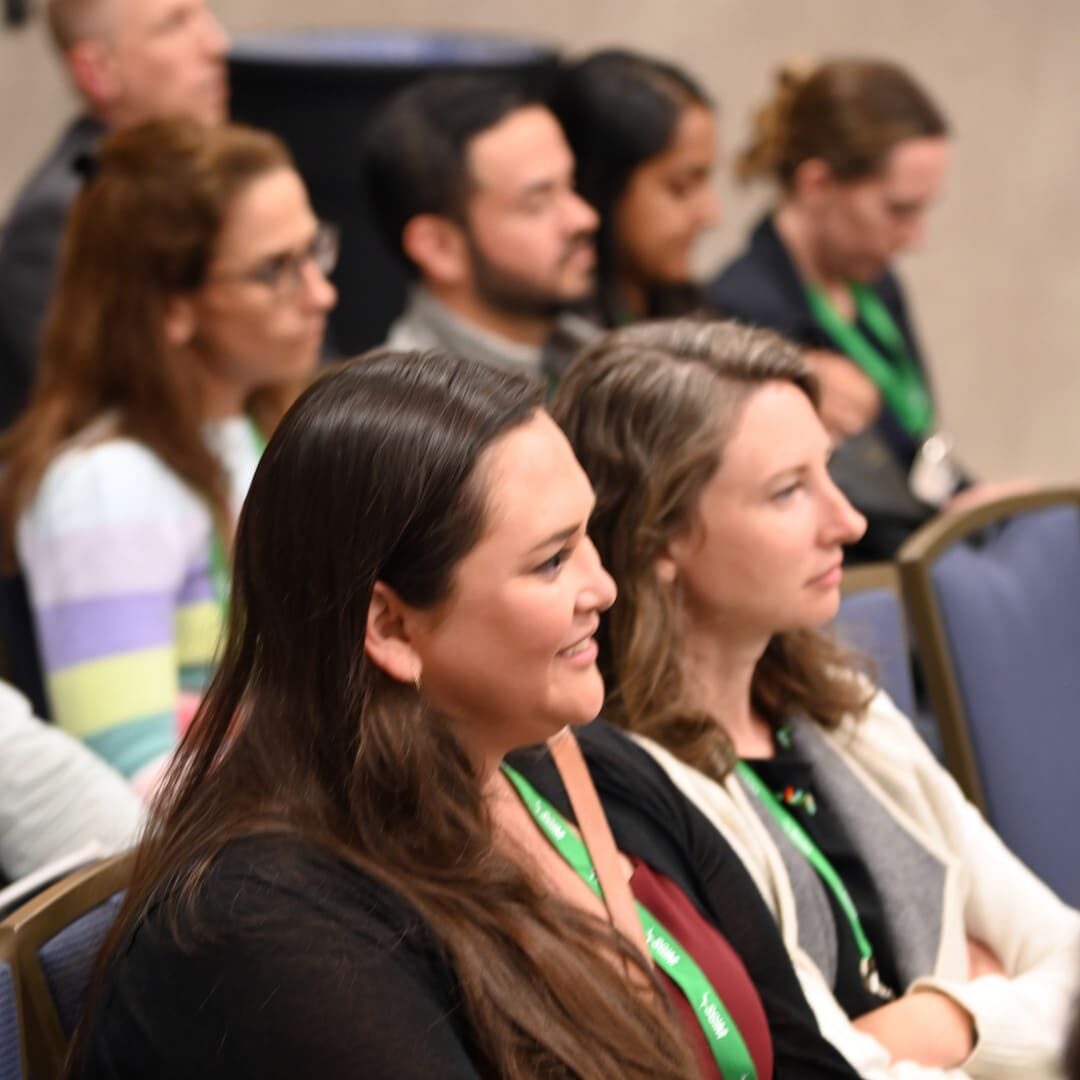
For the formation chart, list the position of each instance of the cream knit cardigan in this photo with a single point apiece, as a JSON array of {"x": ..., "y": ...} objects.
[{"x": 1021, "y": 1020}]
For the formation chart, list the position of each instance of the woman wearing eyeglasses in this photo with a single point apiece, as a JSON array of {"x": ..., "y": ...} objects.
[{"x": 191, "y": 303}]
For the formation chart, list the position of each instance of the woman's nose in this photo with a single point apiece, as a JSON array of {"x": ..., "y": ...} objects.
[
  {"x": 600, "y": 589},
  {"x": 845, "y": 524}
]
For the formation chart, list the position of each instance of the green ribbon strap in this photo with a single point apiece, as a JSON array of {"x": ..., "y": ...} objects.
[
  {"x": 826, "y": 871},
  {"x": 900, "y": 381},
  {"x": 723, "y": 1036}
]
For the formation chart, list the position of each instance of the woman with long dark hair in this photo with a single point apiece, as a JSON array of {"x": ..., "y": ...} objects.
[
  {"x": 343, "y": 877},
  {"x": 190, "y": 308},
  {"x": 923, "y": 944},
  {"x": 643, "y": 134}
]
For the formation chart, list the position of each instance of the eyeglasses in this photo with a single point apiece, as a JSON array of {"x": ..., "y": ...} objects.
[{"x": 283, "y": 274}]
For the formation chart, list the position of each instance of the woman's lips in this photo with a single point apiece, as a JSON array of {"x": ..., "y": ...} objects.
[
  {"x": 828, "y": 578},
  {"x": 583, "y": 654},
  {"x": 583, "y": 651}
]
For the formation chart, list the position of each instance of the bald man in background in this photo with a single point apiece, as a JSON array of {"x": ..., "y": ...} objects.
[{"x": 129, "y": 61}]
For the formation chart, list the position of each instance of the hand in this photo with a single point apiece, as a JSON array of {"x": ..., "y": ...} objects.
[
  {"x": 925, "y": 1027},
  {"x": 850, "y": 402},
  {"x": 982, "y": 960},
  {"x": 974, "y": 496}
]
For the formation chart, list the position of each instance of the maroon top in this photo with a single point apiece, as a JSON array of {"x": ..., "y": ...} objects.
[{"x": 720, "y": 963}]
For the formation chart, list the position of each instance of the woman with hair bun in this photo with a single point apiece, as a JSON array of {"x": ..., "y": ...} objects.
[
  {"x": 644, "y": 138},
  {"x": 859, "y": 152}
]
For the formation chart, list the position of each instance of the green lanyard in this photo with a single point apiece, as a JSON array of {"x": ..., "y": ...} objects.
[
  {"x": 816, "y": 857},
  {"x": 724, "y": 1038},
  {"x": 220, "y": 577},
  {"x": 900, "y": 382}
]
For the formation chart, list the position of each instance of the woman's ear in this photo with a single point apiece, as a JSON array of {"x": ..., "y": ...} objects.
[
  {"x": 813, "y": 180},
  {"x": 386, "y": 639},
  {"x": 665, "y": 568},
  {"x": 180, "y": 321},
  {"x": 674, "y": 551}
]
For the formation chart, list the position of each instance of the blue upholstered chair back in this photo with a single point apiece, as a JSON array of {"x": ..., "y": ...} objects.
[
  {"x": 1007, "y": 605},
  {"x": 68, "y": 959},
  {"x": 871, "y": 620},
  {"x": 1011, "y": 614},
  {"x": 11, "y": 1064},
  {"x": 57, "y": 937}
]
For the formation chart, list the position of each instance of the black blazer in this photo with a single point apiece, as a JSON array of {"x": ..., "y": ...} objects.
[{"x": 29, "y": 251}]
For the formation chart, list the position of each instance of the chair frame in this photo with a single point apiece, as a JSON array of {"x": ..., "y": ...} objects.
[
  {"x": 36, "y": 922},
  {"x": 7, "y": 953},
  {"x": 915, "y": 560},
  {"x": 869, "y": 577},
  {"x": 864, "y": 577}
]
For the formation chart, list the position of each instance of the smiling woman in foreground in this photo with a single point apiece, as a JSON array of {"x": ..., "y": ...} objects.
[{"x": 341, "y": 880}]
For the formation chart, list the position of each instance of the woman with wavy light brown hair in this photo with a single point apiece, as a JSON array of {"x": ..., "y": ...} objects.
[
  {"x": 716, "y": 514},
  {"x": 190, "y": 307}
]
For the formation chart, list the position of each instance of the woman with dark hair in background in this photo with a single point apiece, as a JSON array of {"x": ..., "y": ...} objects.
[
  {"x": 859, "y": 152},
  {"x": 644, "y": 139},
  {"x": 190, "y": 308},
  {"x": 922, "y": 943},
  {"x": 343, "y": 878}
]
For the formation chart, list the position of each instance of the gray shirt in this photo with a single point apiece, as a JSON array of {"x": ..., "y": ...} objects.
[
  {"x": 56, "y": 796},
  {"x": 426, "y": 323}
]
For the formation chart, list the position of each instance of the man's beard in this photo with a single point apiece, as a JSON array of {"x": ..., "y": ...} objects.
[{"x": 511, "y": 294}]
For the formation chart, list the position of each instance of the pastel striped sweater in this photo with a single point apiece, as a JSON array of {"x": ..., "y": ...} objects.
[{"x": 115, "y": 549}]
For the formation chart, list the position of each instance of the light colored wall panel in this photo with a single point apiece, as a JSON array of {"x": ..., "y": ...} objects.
[{"x": 997, "y": 291}]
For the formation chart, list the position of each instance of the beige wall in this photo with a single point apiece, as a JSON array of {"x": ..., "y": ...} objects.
[{"x": 997, "y": 292}]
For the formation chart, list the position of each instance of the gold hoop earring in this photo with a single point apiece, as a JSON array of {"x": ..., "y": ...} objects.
[{"x": 416, "y": 683}]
